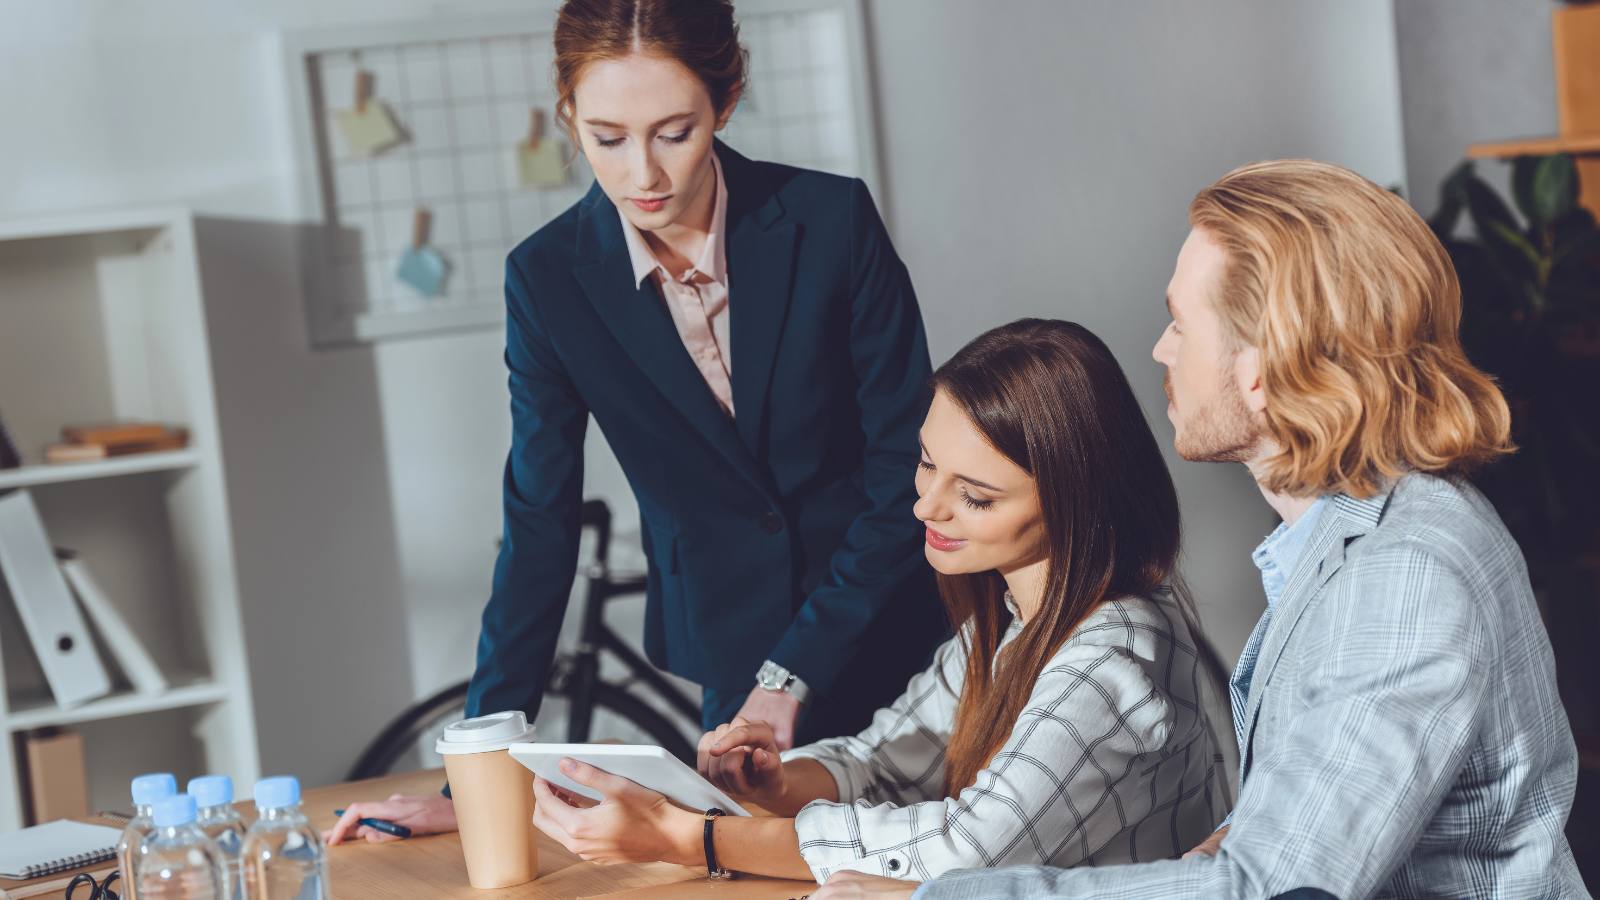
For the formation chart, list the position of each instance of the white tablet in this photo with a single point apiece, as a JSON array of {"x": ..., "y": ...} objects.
[{"x": 644, "y": 764}]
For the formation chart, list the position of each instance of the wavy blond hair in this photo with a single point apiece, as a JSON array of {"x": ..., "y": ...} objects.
[{"x": 1354, "y": 306}]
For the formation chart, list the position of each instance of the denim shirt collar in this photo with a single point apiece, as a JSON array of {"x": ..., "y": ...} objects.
[{"x": 1278, "y": 554}]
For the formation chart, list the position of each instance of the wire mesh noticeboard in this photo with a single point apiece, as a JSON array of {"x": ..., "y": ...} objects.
[{"x": 434, "y": 117}]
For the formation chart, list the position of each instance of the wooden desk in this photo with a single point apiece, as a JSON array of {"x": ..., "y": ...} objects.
[{"x": 433, "y": 866}]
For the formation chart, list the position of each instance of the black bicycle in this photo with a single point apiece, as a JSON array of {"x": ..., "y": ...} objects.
[{"x": 578, "y": 700}]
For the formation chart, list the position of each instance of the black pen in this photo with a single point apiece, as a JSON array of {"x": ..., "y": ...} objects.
[{"x": 383, "y": 825}]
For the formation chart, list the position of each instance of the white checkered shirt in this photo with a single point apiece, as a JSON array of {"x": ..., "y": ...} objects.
[{"x": 1111, "y": 761}]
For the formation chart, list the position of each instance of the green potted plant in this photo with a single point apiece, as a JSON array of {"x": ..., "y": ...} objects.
[{"x": 1530, "y": 290}]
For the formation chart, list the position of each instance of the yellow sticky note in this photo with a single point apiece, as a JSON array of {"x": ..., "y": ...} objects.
[
  {"x": 369, "y": 131},
  {"x": 540, "y": 166}
]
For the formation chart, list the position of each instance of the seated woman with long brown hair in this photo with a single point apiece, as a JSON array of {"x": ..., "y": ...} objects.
[{"x": 1063, "y": 724}]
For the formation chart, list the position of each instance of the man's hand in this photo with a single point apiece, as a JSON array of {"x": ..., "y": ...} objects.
[
  {"x": 776, "y": 708},
  {"x": 427, "y": 814},
  {"x": 1208, "y": 847},
  {"x": 854, "y": 885}
]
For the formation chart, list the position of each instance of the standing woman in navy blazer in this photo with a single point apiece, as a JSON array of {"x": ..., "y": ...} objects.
[{"x": 751, "y": 347}]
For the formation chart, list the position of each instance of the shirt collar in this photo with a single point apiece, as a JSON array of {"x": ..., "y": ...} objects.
[
  {"x": 713, "y": 261},
  {"x": 1278, "y": 554}
]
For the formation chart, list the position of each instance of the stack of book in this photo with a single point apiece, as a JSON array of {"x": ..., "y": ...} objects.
[{"x": 85, "y": 442}]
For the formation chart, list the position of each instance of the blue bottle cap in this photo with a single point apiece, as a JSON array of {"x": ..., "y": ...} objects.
[
  {"x": 179, "y": 809},
  {"x": 211, "y": 790},
  {"x": 278, "y": 792},
  {"x": 147, "y": 789}
]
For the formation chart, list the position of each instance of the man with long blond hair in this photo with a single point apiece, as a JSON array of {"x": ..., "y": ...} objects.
[{"x": 1399, "y": 729}]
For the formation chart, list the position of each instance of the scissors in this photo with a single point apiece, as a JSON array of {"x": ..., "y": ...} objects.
[{"x": 98, "y": 890}]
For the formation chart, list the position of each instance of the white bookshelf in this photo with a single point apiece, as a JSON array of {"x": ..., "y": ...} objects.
[
  {"x": 101, "y": 319},
  {"x": 57, "y": 473},
  {"x": 39, "y": 710}
]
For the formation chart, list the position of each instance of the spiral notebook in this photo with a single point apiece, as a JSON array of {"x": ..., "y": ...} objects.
[{"x": 55, "y": 847}]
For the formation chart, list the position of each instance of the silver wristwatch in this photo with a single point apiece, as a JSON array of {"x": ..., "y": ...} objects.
[{"x": 774, "y": 677}]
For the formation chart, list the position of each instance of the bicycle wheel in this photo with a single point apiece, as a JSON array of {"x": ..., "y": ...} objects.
[
  {"x": 406, "y": 745},
  {"x": 404, "y": 735}
]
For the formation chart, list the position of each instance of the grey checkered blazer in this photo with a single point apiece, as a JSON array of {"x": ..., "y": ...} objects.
[
  {"x": 1110, "y": 761},
  {"x": 1402, "y": 736}
]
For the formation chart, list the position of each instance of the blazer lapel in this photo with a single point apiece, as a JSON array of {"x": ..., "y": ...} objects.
[
  {"x": 1345, "y": 519},
  {"x": 637, "y": 318},
  {"x": 761, "y": 252},
  {"x": 1238, "y": 688}
]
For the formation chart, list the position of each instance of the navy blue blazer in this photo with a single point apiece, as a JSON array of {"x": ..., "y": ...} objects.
[{"x": 785, "y": 532}]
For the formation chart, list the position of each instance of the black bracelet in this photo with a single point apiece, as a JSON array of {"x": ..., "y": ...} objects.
[{"x": 712, "y": 869}]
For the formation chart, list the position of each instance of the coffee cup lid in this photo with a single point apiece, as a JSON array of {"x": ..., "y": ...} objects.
[{"x": 496, "y": 731}]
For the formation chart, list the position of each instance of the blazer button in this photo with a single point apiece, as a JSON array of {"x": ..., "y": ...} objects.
[{"x": 771, "y": 522}]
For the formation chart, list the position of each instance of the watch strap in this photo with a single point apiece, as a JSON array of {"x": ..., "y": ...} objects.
[
  {"x": 792, "y": 684},
  {"x": 712, "y": 869}
]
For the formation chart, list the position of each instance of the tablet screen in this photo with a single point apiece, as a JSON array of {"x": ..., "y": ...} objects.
[{"x": 647, "y": 765}]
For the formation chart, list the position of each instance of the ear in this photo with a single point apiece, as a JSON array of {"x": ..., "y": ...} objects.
[
  {"x": 1247, "y": 376},
  {"x": 728, "y": 106}
]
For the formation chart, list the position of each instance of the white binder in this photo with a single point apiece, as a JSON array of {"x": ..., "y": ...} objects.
[
  {"x": 130, "y": 652},
  {"x": 60, "y": 637}
]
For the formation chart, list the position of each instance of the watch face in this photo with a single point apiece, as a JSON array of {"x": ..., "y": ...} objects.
[{"x": 772, "y": 676}]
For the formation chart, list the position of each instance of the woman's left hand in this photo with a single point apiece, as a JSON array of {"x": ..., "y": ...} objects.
[{"x": 632, "y": 823}]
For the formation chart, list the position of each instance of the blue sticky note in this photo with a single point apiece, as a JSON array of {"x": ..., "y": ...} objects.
[{"x": 424, "y": 269}]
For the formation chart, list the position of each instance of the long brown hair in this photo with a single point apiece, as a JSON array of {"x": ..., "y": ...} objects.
[
  {"x": 1050, "y": 397},
  {"x": 700, "y": 34}
]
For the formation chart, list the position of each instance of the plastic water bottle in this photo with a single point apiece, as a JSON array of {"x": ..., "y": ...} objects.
[
  {"x": 146, "y": 790},
  {"x": 179, "y": 862},
  {"x": 213, "y": 794},
  {"x": 284, "y": 858}
]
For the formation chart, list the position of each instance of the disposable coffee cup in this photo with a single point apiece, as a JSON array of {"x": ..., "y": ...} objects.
[{"x": 493, "y": 796}]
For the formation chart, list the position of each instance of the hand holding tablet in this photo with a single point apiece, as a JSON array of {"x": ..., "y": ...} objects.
[{"x": 649, "y": 766}]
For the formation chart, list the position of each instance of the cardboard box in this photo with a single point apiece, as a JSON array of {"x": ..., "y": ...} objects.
[{"x": 57, "y": 781}]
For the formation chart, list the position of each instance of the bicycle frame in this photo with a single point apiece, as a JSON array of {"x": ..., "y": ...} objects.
[
  {"x": 585, "y": 674},
  {"x": 575, "y": 675}
]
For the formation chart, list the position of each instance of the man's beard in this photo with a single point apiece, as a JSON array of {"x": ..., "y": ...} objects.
[{"x": 1222, "y": 430}]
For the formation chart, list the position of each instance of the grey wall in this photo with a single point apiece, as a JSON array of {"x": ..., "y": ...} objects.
[
  {"x": 1470, "y": 71},
  {"x": 1040, "y": 156}
]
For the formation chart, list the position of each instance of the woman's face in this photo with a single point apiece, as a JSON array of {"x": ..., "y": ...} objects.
[
  {"x": 980, "y": 508},
  {"x": 646, "y": 124}
]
